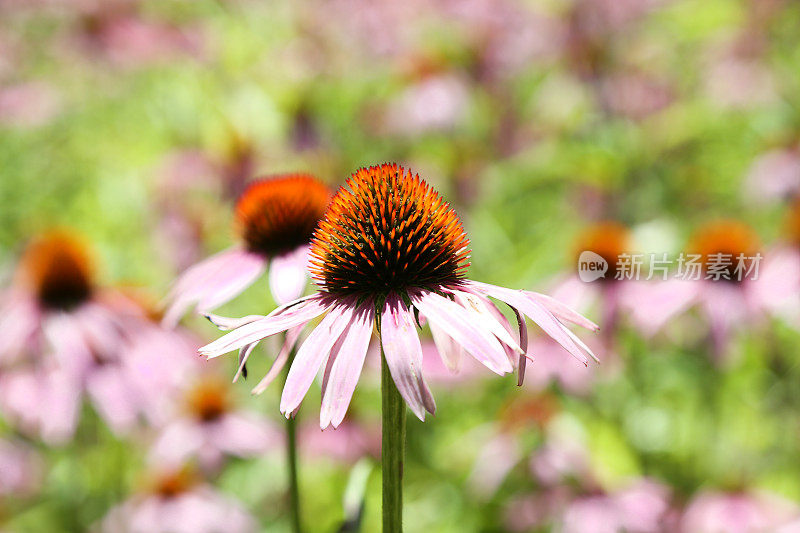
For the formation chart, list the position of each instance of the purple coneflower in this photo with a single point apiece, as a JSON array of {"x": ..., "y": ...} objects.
[
  {"x": 276, "y": 218},
  {"x": 207, "y": 426},
  {"x": 176, "y": 499},
  {"x": 61, "y": 335},
  {"x": 726, "y": 292},
  {"x": 390, "y": 251}
]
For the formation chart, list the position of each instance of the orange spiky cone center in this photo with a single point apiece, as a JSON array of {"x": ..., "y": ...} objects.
[
  {"x": 387, "y": 230},
  {"x": 58, "y": 268},
  {"x": 607, "y": 239},
  {"x": 277, "y": 215},
  {"x": 724, "y": 241},
  {"x": 173, "y": 482},
  {"x": 209, "y": 400}
]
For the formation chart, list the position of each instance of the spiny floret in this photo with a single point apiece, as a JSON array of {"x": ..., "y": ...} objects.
[
  {"x": 388, "y": 230},
  {"x": 276, "y": 215},
  {"x": 59, "y": 269}
]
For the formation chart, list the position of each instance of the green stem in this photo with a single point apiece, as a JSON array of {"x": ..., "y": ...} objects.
[
  {"x": 291, "y": 460},
  {"x": 393, "y": 437}
]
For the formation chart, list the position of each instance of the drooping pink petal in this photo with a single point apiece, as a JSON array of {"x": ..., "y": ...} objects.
[
  {"x": 457, "y": 323},
  {"x": 663, "y": 300},
  {"x": 348, "y": 361},
  {"x": 69, "y": 346},
  {"x": 288, "y": 317},
  {"x": 213, "y": 282},
  {"x": 288, "y": 276},
  {"x": 243, "y": 434},
  {"x": 481, "y": 310},
  {"x": 523, "y": 341},
  {"x": 562, "y": 311},
  {"x": 403, "y": 353},
  {"x": 226, "y": 323},
  {"x": 312, "y": 354},
  {"x": 543, "y": 318},
  {"x": 449, "y": 350},
  {"x": 179, "y": 440},
  {"x": 292, "y": 334},
  {"x": 113, "y": 398},
  {"x": 19, "y": 321},
  {"x": 244, "y": 355}
]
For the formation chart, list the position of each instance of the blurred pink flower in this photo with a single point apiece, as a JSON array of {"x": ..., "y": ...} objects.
[
  {"x": 61, "y": 335},
  {"x": 20, "y": 469},
  {"x": 389, "y": 244},
  {"x": 177, "y": 502},
  {"x": 206, "y": 425},
  {"x": 635, "y": 95},
  {"x": 28, "y": 104},
  {"x": 774, "y": 175},
  {"x": 434, "y": 103},
  {"x": 276, "y": 218},
  {"x": 736, "y": 512},
  {"x": 124, "y": 37},
  {"x": 641, "y": 507},
  {"x": 351, "y": 441},
  {"x": 726, "y": 303}
]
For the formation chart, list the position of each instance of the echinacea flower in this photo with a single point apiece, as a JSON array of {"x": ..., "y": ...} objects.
[
  {"x": 207, "y": 426},
  {"x": 724, "y": 287},
  {"x": 61, "y": 335},
  {"x": 276, "y": 218},
  {"x": 391, "y": 252},
  {"x": 611, "y": 242},
  {"x": 176, "y": 500}
]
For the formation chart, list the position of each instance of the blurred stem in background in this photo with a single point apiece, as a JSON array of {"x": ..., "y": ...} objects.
[
  {"x": 393, "y": 441},
  {"x": 291, "y": 460}
]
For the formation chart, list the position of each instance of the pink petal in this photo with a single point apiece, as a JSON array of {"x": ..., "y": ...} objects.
[
  {"x": 282, "y": 319},
  {"x": 244, "y": 355},
  {"x": 19, "y": 321},
  {"x": 244, "y": 434},
  {"x": 523, "y": 341},
  {"x": 226, "y": 324},
  {"x": 543, "y": 318},
  {"x": 562, "y": 311},
  {"x": 348, "y": 360},
  {"x": 403, "y": 353},
  {"x": 213, "y": 282},
  {"x": 312, "y": 354},
  {"x": 113, "y": 398},
  {"x": 449, "y": 350},
  {"x": 291, "y": 339},
  {"x": 288, "y": 276},
  {"x": 457, "y": 323},
  {"x": 481, "y": 310}
]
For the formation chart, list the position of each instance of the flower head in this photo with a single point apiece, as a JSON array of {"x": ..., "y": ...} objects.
[
  {"x": 208, "y": 426},
  {"x": 58, "y": 268},
  {"x": 723, "y": 242},
  {"x": 276, "y": 215},
  {"x": 607, "y": 239},
  {"x": 388, "y": 231},
  {"x": 390, "y": 250},
  {"x": 275, "y": 218}
]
